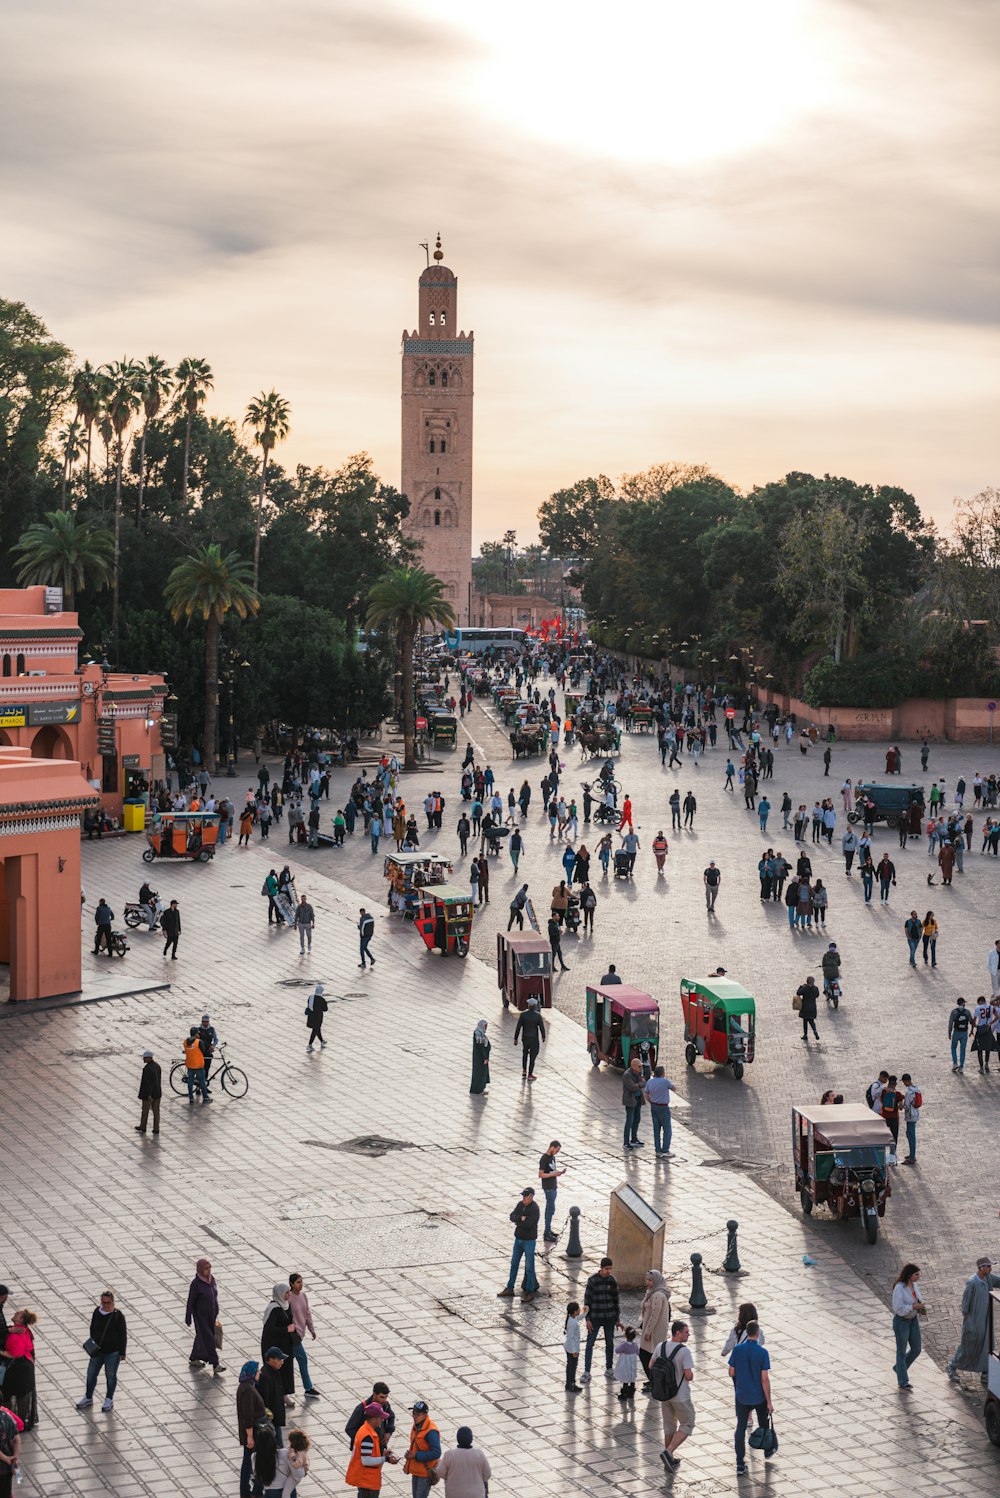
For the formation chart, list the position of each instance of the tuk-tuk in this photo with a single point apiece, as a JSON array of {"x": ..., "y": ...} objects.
[
  {"x": 719, "y": 1022},
  {"x": 991, "y": 1409},
  {"x": 407, "y": 874},
  {"x": 444, "y": 919},
  {"x": 840, "y": 1154},
  {"x": 524, "y": 969},
  {"x": 182, "y": 834},
  {"x": 622, "y": 1022},
  {"x": 892, "y": 800},
  {"x": 442, "y": 728}
]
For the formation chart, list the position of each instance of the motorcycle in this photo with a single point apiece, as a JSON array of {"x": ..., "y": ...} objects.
[
  {"x": 832, "y": 991},
  {"x": 601, "y": 811},
  {"x": 117, "y": 945},
  {"x": 135, "y": 914}
]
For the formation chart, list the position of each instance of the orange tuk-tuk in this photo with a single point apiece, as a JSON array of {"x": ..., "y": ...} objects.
[
  {"x": 182, "y": 834},
  {"x": 719, "y": 1021},
  {"x": 444, "y": 919},
  {"x": 524, "y": 969}
]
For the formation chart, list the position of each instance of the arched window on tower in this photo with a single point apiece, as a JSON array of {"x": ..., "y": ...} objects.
[
  {"x": 437, "y": 496},
  {"x": 20, "y": 665},
  {"x": 442, "y": 319},
  {"x": 444, "y": 378},
  {"x": 432, "y": 319},
  {"x": 6, "y": 660},
  {"x": 431, "y": 377},
  {"x": 441, "y": 449},
  {"x": 437, "y": 517},
  {"x": 431, "y": 448}
]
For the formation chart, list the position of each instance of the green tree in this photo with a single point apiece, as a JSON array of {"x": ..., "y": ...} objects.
[
  {"x": 268, "y": 415},
  {"x": 154, "y": 384},
  {"x": 211, "y": 585},
  {"x": 86, "y": 392},
  {"x": 121, "y": 400},
  {"x": 402, "y": 602},
  {"x": 67, "y": 553},
  {"x": 571, "y": 521},
  {"x": 194, "y": 379},
  {"x": 35, "y": 372}
]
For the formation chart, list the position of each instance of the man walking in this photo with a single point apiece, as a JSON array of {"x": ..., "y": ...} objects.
[
  {"x": 675, "y": 810},
  {"x": 712, "y": 878},
  {"x": 366, "y": 930},
  {"x": 549, "y": 1175},
  {"x": 972, "y": 1352},
  {"x": 690, "y": 807},
  {"x": 657, "y": 1095},
  {"x": 677, "y": 1409},
  {"x": 525, "y": 1219},
  {"x": 749, "y": 1369},
  {"x": 913, "y": 927},
  {"x": 150, "y": 1093},
  {"x": 305, "y": 921},
  {"x": 555, "y": 942},
  {"x": 530, "y": 1029},
  {"x": 633, "y": 1088},
  {"x": 808, "y": 993},
  {"x": 993, "y": 965},
  {"x": 959, "y": 1022},
  {"x": 170, "y": 920},
  {"x": 602, "y": 1313}
]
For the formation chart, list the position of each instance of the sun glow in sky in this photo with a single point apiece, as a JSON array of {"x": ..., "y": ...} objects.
[{"x": 759, "y": 236}]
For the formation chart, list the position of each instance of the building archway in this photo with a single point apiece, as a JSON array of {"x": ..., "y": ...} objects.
[{"x": 51, "y": 743}]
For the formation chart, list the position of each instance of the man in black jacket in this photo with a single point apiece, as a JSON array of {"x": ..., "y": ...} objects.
[
  {"x": 525, "y": 1219},
  {"x": 602, "y": 1311},
  {"x": 271, "y": 1388},
  {"x": 109, "y": 1341},
  {"x": 379, "y": 1395},
  {"x": 530, "y": 1029},
  {"x": 150, "y": 1092},
  {"x": 170, "y": 920}
]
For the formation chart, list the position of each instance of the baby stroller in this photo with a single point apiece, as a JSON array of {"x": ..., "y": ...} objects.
[
  {"x": 572, "y": 917},
  {"x": 621, "y": 864}
]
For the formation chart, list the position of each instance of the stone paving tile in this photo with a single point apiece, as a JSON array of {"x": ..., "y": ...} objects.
[{"x": 103, "y": 1204}]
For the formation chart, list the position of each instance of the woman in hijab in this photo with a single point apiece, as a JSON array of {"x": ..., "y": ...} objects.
[
  {"x": 249, "y": 1409},
  {"x": 279, "y": 1331},
  {"x": 480, "y": 1058},
  {"x": 464, "y": 1470},
  {"x": 316, "y": 1007},
  {"x": 654, "y": 1317},
  {"x": 203, "y": 1313}
]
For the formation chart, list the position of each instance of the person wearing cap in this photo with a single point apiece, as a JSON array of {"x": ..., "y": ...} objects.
[
  {"x": 249, "y": 1409},
  {"x": 525, "y": 1219},
  {"x": 364, "y": 1470},
  {"x": 271, "y": 1387},
  {"x": 464, "y": 1470},
  {"x": 316, "y": 1007},
  {"x": 170, "y": 924},
  {"x": 423, "y": 1452},
  {"x": 208, "y": 1040},
  {"x": 973, "y": 1350},
  {"x": 150, "y": 1093},
  {"x": 378, "y": 1395}
]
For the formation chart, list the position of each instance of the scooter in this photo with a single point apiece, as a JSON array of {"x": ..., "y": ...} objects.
[
  {"x": 832, "y": 991},
  {"x": 135, "y": 915}
]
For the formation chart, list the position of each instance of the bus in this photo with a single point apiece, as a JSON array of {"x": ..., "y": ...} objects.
[{"x": 478, "y": 640}]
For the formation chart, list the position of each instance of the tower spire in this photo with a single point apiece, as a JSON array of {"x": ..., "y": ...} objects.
[{"x": 438, "y": 252}]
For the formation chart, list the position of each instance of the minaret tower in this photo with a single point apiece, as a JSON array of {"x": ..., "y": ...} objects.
[{"x": 437, "y": 436}]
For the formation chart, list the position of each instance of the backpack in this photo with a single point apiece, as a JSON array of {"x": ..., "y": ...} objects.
[
  {"x": 870, "y": 1094},
  {"x": 664, "y": 1379},
  {"x": 368, "y": 927},
  {"x": 918, "y": 1099}
]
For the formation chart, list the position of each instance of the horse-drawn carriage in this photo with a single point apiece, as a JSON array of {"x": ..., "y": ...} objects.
[
  {"x": 528, "y": 739},
  {"x": 640, "y": 718},
  {"x": 597, "y": 737}
]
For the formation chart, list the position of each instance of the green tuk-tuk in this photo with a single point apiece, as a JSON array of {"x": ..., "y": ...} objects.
[
  {"x": 442, "y": 728},
  {"x": 719, "y": 1022}
]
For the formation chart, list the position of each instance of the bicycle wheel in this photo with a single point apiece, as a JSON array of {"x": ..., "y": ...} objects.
[
  {"x": 178, "y": 1078},
  {"x": 234, "y": 1081}
]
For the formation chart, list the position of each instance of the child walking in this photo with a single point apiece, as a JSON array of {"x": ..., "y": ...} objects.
[
  {"x": 571, "y": 1342},
  {"x": 627, "y": 1366}
]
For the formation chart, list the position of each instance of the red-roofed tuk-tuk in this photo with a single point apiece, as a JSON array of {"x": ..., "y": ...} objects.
[
  {"x": 444, "y": 919},
  {"x": 622, "y": 1022},
  {"x": 524, "y": 969}
]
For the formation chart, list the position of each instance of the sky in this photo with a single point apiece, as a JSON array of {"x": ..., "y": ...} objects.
[{"x": 761, "y": 236}]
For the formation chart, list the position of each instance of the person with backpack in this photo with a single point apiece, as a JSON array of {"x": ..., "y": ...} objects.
[
  {"x": 959, "y": 1023},
  {"x": 889, "y": 1105},
  {"x": 106, "y": 1345},
  {"x": 366, "y": 930},
  {"x": 913, "y": 1101},
  {"x": 749, "y": 1366},
  {"x": 670, "y": 1375}
]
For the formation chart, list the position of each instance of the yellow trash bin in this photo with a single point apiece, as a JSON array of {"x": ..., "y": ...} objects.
[{"x": 134, "y": 816}]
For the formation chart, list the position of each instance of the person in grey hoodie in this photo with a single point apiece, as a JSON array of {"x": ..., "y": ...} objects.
[{"x": 849, "y": 844}]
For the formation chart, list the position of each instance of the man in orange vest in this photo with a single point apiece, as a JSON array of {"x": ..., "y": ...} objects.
[
  {"x": 424, "y": 1450},
  {"x": 364, "y": 1470}
]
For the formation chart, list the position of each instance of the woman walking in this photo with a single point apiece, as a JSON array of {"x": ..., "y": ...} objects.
[
  {"x": 821, "y": 901},
  {"x": 604, "y": 852},
  {"x": 746, "y": 1313},
  {"x": 279, "y": 1331},
  {"x": 907, "y": 1308},
  {"x": 203, "y": 1313},
  {"x": 660, "y": 850},
  {"x": 480, "y": 1058},
  {"x": 316, "y": 1007},
  {"x": 929, "y": 932}
]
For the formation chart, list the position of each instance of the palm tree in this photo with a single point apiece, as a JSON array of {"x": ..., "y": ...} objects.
[
  {"x": 210, "y": 584},
  {"x": 154, "y": 385},
  {"x": 403, "y": 599},
  {"x": 69, "y": 441},
  {"x": 268, "y": 415},
  {"x": 65, "y": 552},
  {"x": 86, "y": 391},
  {"x": 122, "y": 402},
  {"x": 194, "y": 380}
]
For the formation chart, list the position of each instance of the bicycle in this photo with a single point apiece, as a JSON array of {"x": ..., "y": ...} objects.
[{"x": 234, "y": 1081}]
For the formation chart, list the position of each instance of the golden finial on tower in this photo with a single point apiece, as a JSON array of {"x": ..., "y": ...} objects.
[{"x": 438, "y": 252}]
